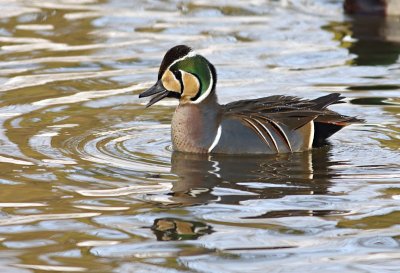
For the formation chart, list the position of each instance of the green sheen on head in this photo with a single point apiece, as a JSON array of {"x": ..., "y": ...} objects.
[{"x": 184, "y": 72}]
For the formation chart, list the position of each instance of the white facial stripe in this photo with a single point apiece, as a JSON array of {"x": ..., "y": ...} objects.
[
  {"x": 167, "y": 71},
  {"x": 189, "y": 55},
  {"x": 207, "y": 92}
]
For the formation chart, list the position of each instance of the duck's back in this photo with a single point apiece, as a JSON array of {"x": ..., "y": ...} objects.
[{"x": 278, "y": 124}]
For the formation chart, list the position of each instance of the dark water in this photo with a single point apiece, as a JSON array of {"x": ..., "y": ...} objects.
[{"x": 88, "y": 181}]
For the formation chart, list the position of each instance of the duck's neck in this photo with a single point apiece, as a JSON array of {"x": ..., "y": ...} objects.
[{"x": 194, "y": 126}]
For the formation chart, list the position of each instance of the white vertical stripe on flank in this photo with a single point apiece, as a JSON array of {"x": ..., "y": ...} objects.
[
  {"x": 311, "y": 135},
  {"x": 216, "y": 140}
]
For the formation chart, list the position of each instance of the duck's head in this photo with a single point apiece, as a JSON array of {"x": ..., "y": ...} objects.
[{"x": 184, "y": 75}]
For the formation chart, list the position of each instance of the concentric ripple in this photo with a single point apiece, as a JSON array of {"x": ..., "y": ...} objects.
[
  {"x": 139, "y": 147},
  {"x": 88, "y": 181}
]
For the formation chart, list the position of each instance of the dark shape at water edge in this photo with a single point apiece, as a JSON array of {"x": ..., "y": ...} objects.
[
  {"x": 376, "y": 7},
  {"x": 374, "y": 87},
  {"x": 373, "y": 39},
  {"x": 231, "y": 179},
  {"x": 372, "y": 101},
  {"x": 296, "y": 213},
  {"x": 372, "y": 7},
  {"x": 377, "y": 39}
]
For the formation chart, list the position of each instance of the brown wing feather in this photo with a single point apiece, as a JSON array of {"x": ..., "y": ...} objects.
[{"x": 293, "y": 112}]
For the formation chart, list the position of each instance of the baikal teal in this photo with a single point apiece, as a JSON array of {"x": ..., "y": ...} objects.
[{"x": 269, "y": 125}]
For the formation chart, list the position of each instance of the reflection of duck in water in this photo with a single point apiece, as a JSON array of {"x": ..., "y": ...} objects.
[
  {"x": 228, "y": 179},
  {"x": 376, "y": 37},
  {"x": 231, "y": 179},
  {"x": 173, "y": 229}
]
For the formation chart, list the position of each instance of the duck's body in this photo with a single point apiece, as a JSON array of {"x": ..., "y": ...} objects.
[{"x": 275, "y": 124}]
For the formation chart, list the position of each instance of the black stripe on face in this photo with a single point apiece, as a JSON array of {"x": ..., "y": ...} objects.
[
  {"x": 171, "y": 56},
  {"x": 200, "y": 88},
  {"x": 178, "y": 76}
]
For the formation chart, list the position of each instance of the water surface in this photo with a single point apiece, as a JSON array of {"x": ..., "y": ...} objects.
[{"x": 88, "y": 181}]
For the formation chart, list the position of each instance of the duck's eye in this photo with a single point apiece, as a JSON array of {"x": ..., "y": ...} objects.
[{"x": 170, "y": 82}]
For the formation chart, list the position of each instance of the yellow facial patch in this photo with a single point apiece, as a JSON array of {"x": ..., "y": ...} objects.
[
  {"x": 170, "y": 82},
  {"x": 191, "y": 85}
]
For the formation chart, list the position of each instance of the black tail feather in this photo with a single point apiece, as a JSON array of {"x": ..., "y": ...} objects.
[
  {"x": 325, "y": 101},
  {"x": 322, "y": 131}
]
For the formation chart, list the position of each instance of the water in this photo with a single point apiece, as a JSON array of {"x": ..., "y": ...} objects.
[{"x": 88, "y": 181}]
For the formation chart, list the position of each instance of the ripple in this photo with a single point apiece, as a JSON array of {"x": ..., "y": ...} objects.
[
  {"x": 35, "y": 27},
  {"x": 14, "y": 161},
  {"x": 88, "y": 179},
  {"x": 20, "y": 205},
  {"x": 379, "y": 242},
  {"x": 54, "y": 268},
  {"x": 139, "y": 250},
  {"x": 28, "y": 243},
  {"x": 125, "y": 148},
  {"x": 16, "y": 220},
  {"x": 136, "y": 189}
]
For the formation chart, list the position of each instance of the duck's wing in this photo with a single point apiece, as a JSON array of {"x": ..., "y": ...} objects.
[{"x": 281, "y": 113}]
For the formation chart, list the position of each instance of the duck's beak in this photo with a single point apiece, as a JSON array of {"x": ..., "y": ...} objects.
[{"x": 158, "y": 90}]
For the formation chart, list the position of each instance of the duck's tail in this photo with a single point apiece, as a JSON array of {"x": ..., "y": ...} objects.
[{"x": 329, "y": 122}]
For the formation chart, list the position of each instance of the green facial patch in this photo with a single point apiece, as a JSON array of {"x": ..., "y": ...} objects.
[{"x": 198, "y": 66}]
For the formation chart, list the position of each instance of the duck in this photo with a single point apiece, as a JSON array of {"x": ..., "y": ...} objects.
[
  {"x": 270, "y": 125},
  {"x": 372, "y": 7}
]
